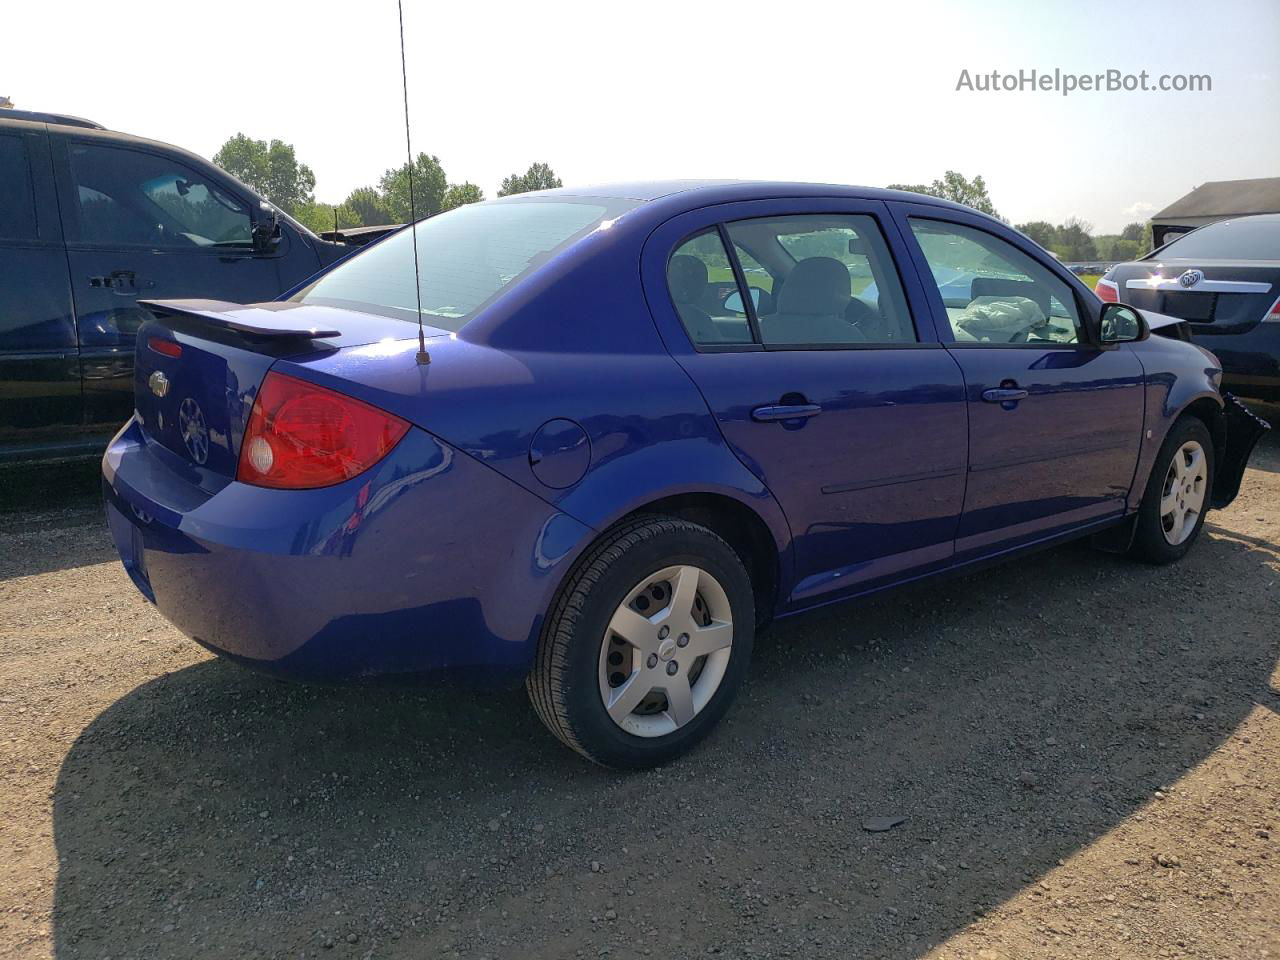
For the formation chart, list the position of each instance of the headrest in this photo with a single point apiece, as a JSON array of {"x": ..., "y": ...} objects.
[
  {"x": 687, "y": 277},
  {"x": 816, "y": 285}
]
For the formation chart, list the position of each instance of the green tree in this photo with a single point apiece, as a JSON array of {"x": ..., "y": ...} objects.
[
  {"x": 461, "y": 193},
  {"x": 323, "y": 217},
  {"x": 1137, "y": 236},
  {"x": 539, "y": 176},
  {"x": 958, "y": 188},
  {"x": 1041, "y": 231},
  {"x": 1122, "y": 250},
  {"x": 1072, "y": 240},
  {"x": 429, "y": 186},
  {"x": 367, "y": 206},
  {"x": 272, "y": 169}
]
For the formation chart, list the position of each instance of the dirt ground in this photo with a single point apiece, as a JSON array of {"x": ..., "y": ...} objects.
[{"x": 1087, "y": 752}]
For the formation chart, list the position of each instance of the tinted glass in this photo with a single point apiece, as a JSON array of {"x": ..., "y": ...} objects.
[
  {"x": 1256, "y": 238},
  {"x": 994, "y": 293},
  {"x": 17, "y": 201},
  {"x": 129, "y": 197},
  {"x": 705, "y": 293},
  {"x": 465, "y": 257},
  {"x": 832, "y": 280}
]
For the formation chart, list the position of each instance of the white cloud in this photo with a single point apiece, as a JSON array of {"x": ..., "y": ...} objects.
[{"x": 1139, "y": 210}]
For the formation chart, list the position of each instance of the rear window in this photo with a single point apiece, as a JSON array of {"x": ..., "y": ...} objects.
[
  {"x": 465, "y": 257},
  {"x": 1246, "y": 239}
]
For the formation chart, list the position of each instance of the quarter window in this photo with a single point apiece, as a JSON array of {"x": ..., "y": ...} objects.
[
  {"x": 130, "y": 197},
  {"x": 831, "y": 281},
  {"x": 993, "y": 292},
  {"x": 17, "y": 202}
]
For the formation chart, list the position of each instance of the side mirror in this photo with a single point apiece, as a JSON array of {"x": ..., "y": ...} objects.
[
  {"x": 1120, "y": 323},
  {"x": 266, "y": 229},
  {"x": 733, "y": 302}
]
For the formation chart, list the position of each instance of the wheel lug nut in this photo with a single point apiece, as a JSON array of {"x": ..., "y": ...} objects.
[
  {"x": 682, "y": 640},
  {"x": 653, "y": 660},
  {"x": 672, "y": 667},
  {"x": 664, "y": 633}
]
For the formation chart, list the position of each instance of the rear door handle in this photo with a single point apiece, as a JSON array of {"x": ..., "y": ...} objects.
[
  {"x": 122, "y": 282},
  {"x": 1004, "y": 395},
  {"x": 785, "y": 411}
]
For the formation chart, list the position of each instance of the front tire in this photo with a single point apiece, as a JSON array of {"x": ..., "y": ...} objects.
[
  {"x": 1177, "y": 496},
  {"x": 647, "y": 644}
]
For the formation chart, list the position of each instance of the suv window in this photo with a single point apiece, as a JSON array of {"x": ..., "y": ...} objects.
[
  {"x": 833, "y": 281},
  {"x": 130, "y": 197},
  {"x": 17, "y": 200},
  {"x": 704, "y": 290},
  {"x": 993, "y": 292}
]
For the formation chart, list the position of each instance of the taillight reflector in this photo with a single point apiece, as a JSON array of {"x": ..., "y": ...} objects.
[
  {"x": 301, "y": 436},
  {"x": 167, "y": 347},
  {"x": 1107, "y": 291},
  {"x": 1273, "y": 315}
]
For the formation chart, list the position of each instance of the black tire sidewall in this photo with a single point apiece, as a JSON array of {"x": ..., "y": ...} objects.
[
  {"x": 1150, "y": 543},
  {"x": 591, "y": 724}
]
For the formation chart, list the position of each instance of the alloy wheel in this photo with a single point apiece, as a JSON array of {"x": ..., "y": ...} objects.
[
  {"x": 1183, "y": 494},
  {"x": 665, "y": 651}
]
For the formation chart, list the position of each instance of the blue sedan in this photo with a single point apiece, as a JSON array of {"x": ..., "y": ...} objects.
[{"x": 593, "y": 440}]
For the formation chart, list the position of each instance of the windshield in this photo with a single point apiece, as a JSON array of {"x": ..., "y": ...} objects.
[
  {"x": 465, "y": 257},
  {"x": 1252, "y": 238}
]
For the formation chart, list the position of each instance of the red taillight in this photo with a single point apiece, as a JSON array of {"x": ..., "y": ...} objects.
[
  {"x": 167, "y": 347},
  {"x": 302, "y": 436},
  {"x": 1273, "y": 315},
  {"x": 1107, "y": 291}
]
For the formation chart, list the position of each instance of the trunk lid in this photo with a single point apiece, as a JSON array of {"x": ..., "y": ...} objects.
[
  {"x": 200, "y": 363},
  {"x": 1214, "y": 296}
]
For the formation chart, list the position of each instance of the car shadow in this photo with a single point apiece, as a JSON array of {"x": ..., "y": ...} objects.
[
  {"x": 1013, "y": 717},
  {"x": 48, "y": 540}
]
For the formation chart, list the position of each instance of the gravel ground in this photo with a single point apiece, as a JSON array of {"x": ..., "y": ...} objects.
[{"x": 1087, "y": 753}]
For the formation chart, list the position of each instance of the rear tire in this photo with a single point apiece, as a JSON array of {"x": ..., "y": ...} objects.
[
  {"x": 647, "y": 644},
  {"x": 1177, "y": 495}
]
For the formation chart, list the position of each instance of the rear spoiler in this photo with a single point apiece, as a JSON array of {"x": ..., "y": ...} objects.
[{"x": 267, "y": 320}]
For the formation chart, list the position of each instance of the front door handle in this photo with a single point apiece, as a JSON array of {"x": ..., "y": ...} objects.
[
  {"x": 1004, "y": 395},
  {"x": 785, "y": 411}
]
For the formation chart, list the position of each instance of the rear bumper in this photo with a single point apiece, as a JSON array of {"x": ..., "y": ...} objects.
[
  {"x": 1250, "y": 360},
  {"x": 428, "y": 563}
]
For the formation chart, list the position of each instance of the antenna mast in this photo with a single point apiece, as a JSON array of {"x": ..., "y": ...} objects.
[{"x": 423, "y": 356}]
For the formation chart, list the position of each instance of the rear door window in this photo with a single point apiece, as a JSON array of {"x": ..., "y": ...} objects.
[
  {"x": 17, "y": 198},
  {"x": 831, "y": 281}
]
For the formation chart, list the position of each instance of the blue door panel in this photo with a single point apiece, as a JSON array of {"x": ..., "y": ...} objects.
[
  {"x": 872, "y": 485},
  {"x": 1062, "y": 456}
]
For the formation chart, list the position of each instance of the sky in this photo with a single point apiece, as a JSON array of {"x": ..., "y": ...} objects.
[{"x": 837, "y": 91}]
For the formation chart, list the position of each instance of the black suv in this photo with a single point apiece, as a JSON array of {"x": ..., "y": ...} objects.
[{"x": 90, "y": 222}]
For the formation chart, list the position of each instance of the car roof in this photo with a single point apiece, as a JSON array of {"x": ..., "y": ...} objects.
[
  {"x": 703, "y": 192},
  {"x": 38, "y": 116}
]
